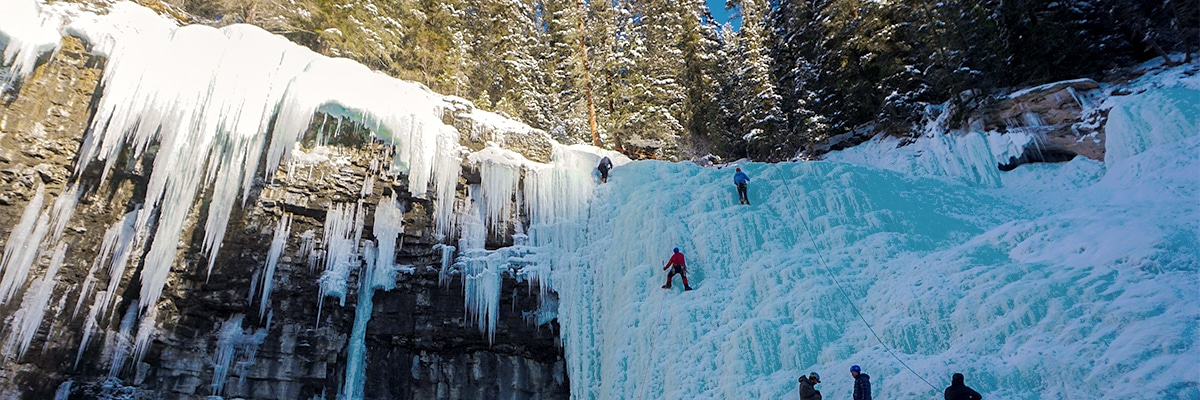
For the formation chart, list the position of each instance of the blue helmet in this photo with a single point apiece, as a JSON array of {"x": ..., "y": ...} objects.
[
  {"x": 676, "y": 249},
  {"x": 855, "y": 368}
]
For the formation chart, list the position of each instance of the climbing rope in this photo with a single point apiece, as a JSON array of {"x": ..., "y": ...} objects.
[
  {"x": 653, "y": 340},
  {"x": 849, "y": 300}
]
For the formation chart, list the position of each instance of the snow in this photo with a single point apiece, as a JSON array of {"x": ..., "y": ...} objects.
[{"x": 26, "y": 32}]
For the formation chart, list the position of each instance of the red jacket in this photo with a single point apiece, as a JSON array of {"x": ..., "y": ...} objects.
[{"x": 676, "y": 259}]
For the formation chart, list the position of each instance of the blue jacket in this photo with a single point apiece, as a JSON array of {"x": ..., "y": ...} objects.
[
  {"x": 862, "y": 387},
  {"x": 605, "y": 164},
  {"x": 740, "y": 178}
]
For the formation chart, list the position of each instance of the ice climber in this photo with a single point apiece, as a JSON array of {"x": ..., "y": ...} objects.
[
  {"x": 959, "y": 390},
  {"x": 740, "y": 179},
  {"x": 862, "y": 383},
  {"x": 677, "y": 266},
  {"x": 807, "y": 392},
  {"x": 605, "y": 165}
]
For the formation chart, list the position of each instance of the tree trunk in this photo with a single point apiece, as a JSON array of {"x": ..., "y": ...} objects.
[
  {"x": 613, "y": 111},
  {"x": 587, "y": 75},
  {"x": 1154, "y": 45}
]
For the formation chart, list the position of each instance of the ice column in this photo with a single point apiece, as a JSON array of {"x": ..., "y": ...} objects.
[
  {"x": 63, "y": 392},
  {"x": 480, "y": 269},
  {"x": 556, "y": 201},
  {"x": 145, "y": 332},
  {"x": 122, "y": 344},
  {"x": 236, "y": 350},
  {"x": 447, "y": 258},
  {"x": 1139, "y": 122},
  {"x": 343, "y": 230},
  {"x": 379, "y": 272}
]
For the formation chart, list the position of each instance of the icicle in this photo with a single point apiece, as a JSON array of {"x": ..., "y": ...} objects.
[
  {"x": 29, "y": 33},
  {"x": 62, "y": 210},
  {"x": 278, "y": 242},
  {"x": 89, "y": 326},
  {"x": 207, "y": 135},
  {"x": 113, "y": 246},
  {"x": 308, "y": 249},
  {"x": 368, "y": 187},
  {"x": 499, "y": 181},
  {"x": 236, "y": 350},
  {"x": 120, "y": 260},
  {"x": 22, "y": 248},
  {"x": 446, "y": 174},
  {"x": 28, "y": 318}
]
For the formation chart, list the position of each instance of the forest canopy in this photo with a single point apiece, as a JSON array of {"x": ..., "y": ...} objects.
[{"x": 661, "y": 78}]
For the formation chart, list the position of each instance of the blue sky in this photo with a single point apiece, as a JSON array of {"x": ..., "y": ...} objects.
[{"x": 722, "y": 15}]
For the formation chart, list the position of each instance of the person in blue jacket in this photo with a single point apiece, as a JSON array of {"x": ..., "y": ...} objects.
[
  {"x": 862, "y": 383},
  {"x": 605, "y": 165},
  {"x": 740, "y": 179}
]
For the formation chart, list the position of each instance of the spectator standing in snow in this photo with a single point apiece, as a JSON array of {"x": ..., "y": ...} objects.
[
  {"x": 862, "y": 383},
  {"x": 959, "y": 390},
  {"x": 605, "y": 165},
  {"x": 807, "y": 392},
  {"x": 740, "y": 179},
  {"x": 677, "y": 266}
]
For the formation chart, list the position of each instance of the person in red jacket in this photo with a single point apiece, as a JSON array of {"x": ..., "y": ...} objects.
[{"x": 677, "y": 266}]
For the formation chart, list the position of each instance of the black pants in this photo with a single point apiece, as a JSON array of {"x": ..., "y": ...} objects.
[
  {"x": 742, "y": 193},
  {"x": 603, "y": 174},
  {"x": 677, "y": 269}
]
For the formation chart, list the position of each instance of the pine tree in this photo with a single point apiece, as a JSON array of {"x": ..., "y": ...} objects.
[{"x": 753, "y": 102}]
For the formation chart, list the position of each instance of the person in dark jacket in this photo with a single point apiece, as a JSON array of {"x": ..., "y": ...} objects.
[
  {"x": 807, "y": 392},
  {"x": 740, "y": 179},
  {"x": 959, "y": 390},
  {"x": 605, "y": 165},
  {"x": 862, "y": 383},
  {"x": 677, "y": 266}
]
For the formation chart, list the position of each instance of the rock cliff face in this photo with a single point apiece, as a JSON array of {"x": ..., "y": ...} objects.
[
  {"x": 421, "y": 343},
  {"x": 1057, "y": 114},
  {"x": 1060, "y": 117}
]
